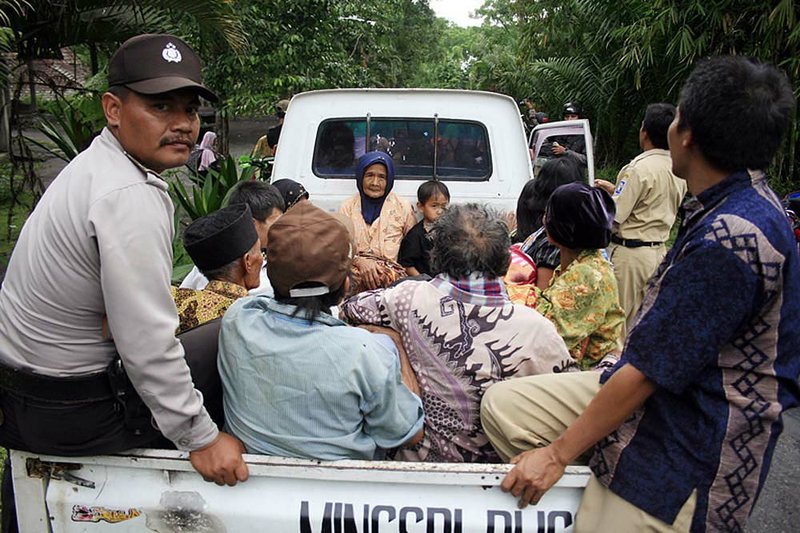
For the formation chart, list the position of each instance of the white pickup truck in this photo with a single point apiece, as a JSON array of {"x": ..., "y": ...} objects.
[{"x": 157, "y": 490}]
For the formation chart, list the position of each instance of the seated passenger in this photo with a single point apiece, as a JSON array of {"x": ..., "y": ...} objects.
[
  {"x": 298, "y": 382},
  {"x": 433, "y": 198},
  {"x": 225, "y": 247},
  {"x": 381, "y": 219},
  {"x": 291, "y": 191},
  {"x": 582, "y": 298},
  {"x": 462, "y": 333},
  {"x": 530, "y": 212},
  {"x": 267, "y": 205}
]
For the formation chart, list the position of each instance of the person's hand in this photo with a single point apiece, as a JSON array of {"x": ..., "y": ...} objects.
[
  {"x": 535, "y": 472},
  {"x": 558, "y": 149},
  {"x": 221, "y": 461},
  {"x": 605, "y": 185},
  {"x": 369, "y": 272}
]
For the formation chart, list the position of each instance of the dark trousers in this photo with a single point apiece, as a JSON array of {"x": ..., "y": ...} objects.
[
  {"x": 57, "y": 428},
  {"x": 33, "y": 423}
]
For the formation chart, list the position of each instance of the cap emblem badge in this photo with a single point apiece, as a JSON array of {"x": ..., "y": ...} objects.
[{"x": 171, "y": 54}]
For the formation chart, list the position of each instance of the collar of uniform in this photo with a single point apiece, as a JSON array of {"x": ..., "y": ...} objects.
[
  {"x": 226, "y": 289},
  {"x": 152, "y": 177},
  {"x": 653, "y": 152}
]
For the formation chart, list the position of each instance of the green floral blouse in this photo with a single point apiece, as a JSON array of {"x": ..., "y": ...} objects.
[{"x": 583, "y": 303}]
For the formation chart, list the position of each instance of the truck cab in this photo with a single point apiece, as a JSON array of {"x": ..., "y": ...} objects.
[{"x": 473, "y": 141}]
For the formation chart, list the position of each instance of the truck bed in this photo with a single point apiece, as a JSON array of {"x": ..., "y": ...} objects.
[{"x": 158, "y": 490}]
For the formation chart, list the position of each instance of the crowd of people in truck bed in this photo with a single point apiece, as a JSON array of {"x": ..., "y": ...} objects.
[{"x": 373, "y": 333}]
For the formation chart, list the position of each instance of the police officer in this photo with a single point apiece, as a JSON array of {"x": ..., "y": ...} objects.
[
  {"x": 572, "y": 146},
  {"x": 85, "y": 309},
  {"x": 647, "y": 195}
]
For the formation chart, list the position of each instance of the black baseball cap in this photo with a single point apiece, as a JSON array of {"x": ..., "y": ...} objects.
[{"x": 155, "y": 64}]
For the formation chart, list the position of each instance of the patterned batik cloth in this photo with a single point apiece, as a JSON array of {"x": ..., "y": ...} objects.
[
  {"x": 717, "y": 332},
  {"x": 583, "y": 303},
  {"x": 198, "y": 307},
  {"x": 461, "y": 336}
]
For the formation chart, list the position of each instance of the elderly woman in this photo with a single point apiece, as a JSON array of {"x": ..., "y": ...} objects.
[
  {"x": 380, "y": 220},
  {"x": 582, "y": 299}
]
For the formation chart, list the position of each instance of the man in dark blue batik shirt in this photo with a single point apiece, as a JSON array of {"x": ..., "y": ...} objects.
[{"x": 684, "y": 426}]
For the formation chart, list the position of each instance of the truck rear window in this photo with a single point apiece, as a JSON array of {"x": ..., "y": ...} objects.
[{"x": 420, "y": 148}]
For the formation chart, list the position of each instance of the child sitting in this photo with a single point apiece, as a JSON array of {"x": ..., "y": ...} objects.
[{"x": 414, "y": 255}]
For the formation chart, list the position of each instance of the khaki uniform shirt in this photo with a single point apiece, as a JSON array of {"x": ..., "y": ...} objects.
[
  {"x": 99, "y": 245},
  {"x": 648, "y": 195}
]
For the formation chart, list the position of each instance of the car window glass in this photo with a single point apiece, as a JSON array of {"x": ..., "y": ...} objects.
[{"x": 458, "y": 150}]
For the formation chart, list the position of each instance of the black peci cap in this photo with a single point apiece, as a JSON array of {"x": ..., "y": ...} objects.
[
  {"x": 155, "y": 64},
  {"x": 220, "y": 237}
]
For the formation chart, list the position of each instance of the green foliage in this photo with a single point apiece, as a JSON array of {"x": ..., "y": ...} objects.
[
  {"x": 209, "y": 193},
  {"x": 206, "y": 194},
  {"x": 616, "y": 56},
  {"x": 181, "y": 262},
  {"x": 71, "y": 124},
  {"x": 300, "y": 45},
  {"x": 44, "y": 27}
]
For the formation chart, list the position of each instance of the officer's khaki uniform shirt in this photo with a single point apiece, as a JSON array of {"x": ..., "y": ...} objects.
[
  {"x": 648, "y": 195},
  {"x": 99, "y": 244}
]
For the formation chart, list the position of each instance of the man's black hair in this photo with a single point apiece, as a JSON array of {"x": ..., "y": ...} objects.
[
  {"x": 223, "y": 273},
  {"x": 657, "y": 119},
  {"x": 738, "y": 110},
  {"x": 430, "y": 188},
  {"x": 120, "y": 91},
  {"x": 310, "y": 307},
  {"x": 536, "y": 192},
  {"x": 262, "y": 198},
  {"x": 468, "y": 239}
]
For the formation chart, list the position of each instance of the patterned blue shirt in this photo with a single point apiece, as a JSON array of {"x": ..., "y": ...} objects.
[
  {"x": 718, "y": 333},
  {"x": 322, "y": 390}
]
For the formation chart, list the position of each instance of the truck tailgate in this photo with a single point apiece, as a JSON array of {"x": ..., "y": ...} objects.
[{"x": 157, "y": 490}]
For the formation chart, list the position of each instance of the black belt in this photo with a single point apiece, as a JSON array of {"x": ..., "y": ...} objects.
[
  {"x": 633, "y": 243},
  {"x": 93, "y": 387}
]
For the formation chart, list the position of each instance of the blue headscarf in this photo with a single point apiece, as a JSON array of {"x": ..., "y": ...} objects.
[{"x": 371, "y": 207}]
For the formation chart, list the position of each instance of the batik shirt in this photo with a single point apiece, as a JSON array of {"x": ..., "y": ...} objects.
[
  {"x": 718, "y": 334},
  {"x": 199, "y": 307},
  {"x": 461, "y": 336},
  {"x": 583, "y": 303}
]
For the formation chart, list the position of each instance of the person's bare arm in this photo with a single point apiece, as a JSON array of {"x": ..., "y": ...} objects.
[
  {"x": 369, "y": 272},
  {"x": 543, "y": 277},
  {"x": 539, "y": 469},
  {"x": 407, "y": 374},
  {"x": 221, "y": 461},
  {"x": 412, "y": 271},
  {"x": 605, "y": 185}
]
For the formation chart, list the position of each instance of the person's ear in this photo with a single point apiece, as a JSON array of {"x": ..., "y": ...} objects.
[
  {"x": 420, "y": 206},
  {"x": 112, "y": 106},
  {"x": 252, "y": 261}
]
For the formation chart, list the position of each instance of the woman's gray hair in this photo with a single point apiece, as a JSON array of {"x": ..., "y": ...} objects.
[{"x": 470, "y": 238}]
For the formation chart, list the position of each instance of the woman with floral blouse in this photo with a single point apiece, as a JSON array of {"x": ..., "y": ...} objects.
[{"x": 582, "y": 299}]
